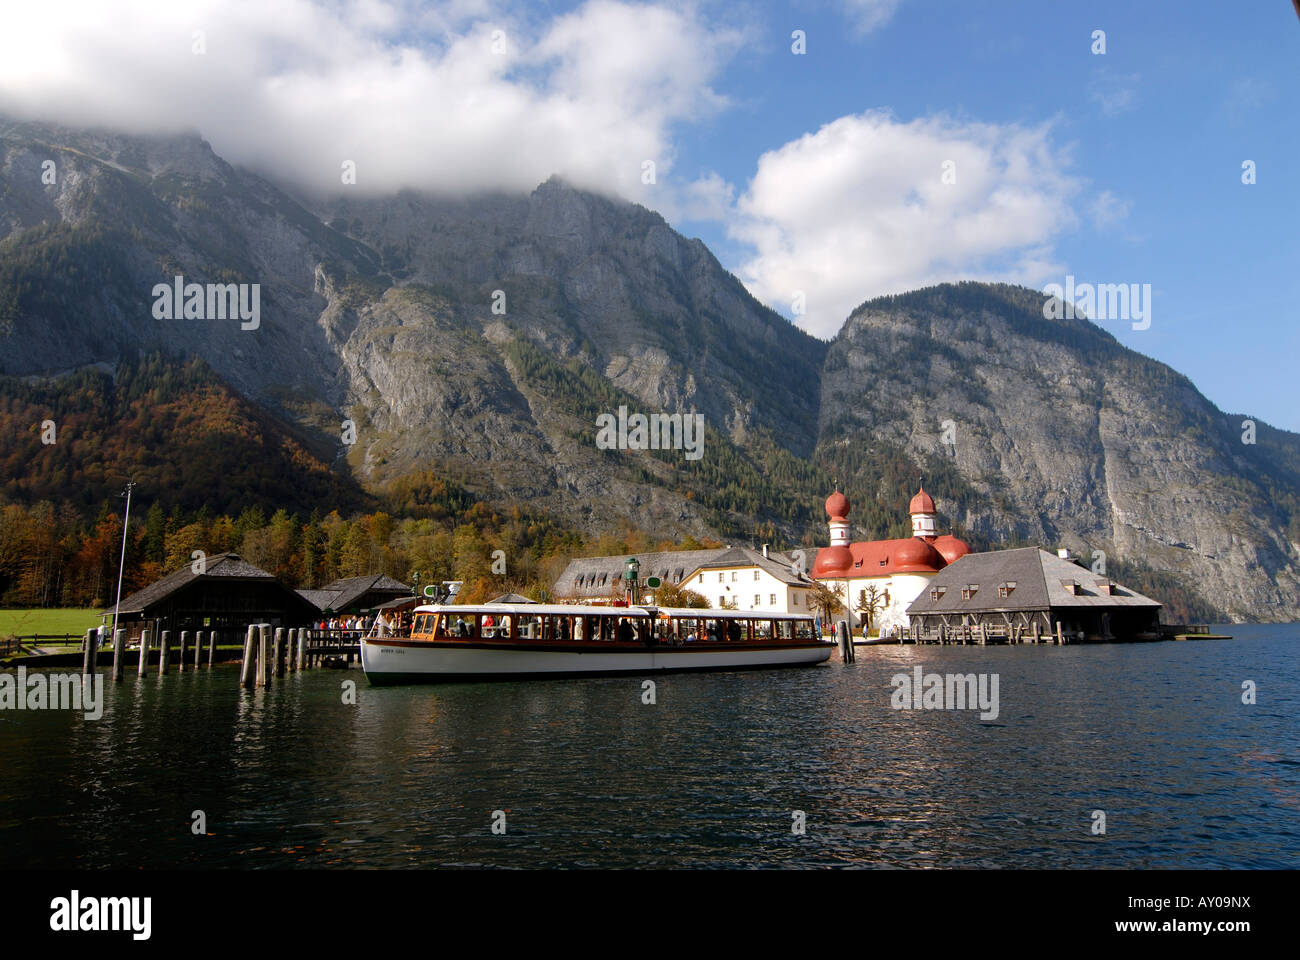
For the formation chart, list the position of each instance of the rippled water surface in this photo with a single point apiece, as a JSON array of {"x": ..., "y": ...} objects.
[{"x": 1154, "y": 735}]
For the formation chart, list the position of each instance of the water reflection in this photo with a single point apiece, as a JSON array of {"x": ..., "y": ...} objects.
[{"x": 710, "y": 775}]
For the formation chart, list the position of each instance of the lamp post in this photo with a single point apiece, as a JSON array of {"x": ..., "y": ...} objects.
[{"x": 630, "y": 580}]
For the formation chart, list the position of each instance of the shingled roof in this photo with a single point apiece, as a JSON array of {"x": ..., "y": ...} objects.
[
  {"x": 223, "y": 566},
  {"x": 592, "y": 578},
  {"x": 350, "y": 589},
  {"x": 779, "y": 565},
  {"x": 1032, "y": 579}
]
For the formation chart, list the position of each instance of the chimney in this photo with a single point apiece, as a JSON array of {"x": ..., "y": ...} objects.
[
  {"x": 1064, "y": 553},
  {"x": 765, "y": 551}
]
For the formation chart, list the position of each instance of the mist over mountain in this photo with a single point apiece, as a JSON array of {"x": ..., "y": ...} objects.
[{"x": 480, "y": 337}]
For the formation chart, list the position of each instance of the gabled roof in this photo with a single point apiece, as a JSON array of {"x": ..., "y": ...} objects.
[
  {"x": 223, "y": 566},
  {"x": 351, "y": 589},
  {"x": 598, "y": 577},
  {"x": 778, "y": 564},
  {"x": 1039, "y": 579},
  {"x": 320, "y": 599}
]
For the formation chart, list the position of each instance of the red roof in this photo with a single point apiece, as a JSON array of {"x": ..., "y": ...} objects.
[
  {"x": 921, "y": 503},
  {"x": 837, "y": 506},
  {"x": 878, "y": 558},
  {"x": 951, "y": 548}
]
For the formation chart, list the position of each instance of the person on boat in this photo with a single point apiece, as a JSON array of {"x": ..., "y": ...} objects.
[
  {"x": 690, "y": 638},
  {"x": 624, "y": 631},
  {"x": 733, "y": 631},
  {"x": 564, "y": 628},
  {"x": 382, "y": 626}
]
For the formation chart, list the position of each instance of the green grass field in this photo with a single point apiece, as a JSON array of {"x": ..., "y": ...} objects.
[{"x": 24, "y": 623}]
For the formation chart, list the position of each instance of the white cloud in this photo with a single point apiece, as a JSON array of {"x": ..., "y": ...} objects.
[
  {"x": 859, "y": 209},
  {"x": 1108, "y": 210},
  {"x": 867, "y": 15},
  {"x": 1114, "y": 93},
  {"x": 428, "y": 96}
]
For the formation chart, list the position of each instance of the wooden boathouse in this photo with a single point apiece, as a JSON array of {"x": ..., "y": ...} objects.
[
  {"x": 224, "y": 593},
  {"x": 1028, "y": 594}
]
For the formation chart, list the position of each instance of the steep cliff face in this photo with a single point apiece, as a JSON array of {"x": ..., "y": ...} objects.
[
  {"x": 481, "y": 338},
  {"x": 1071, "y": 439}
]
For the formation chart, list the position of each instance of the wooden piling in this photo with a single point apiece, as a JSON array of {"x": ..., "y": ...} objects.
[
  {"x": 212, "y": 647},
  {"x": 185, "y": 649},
  {"x": 278, "y": 655},
  {"x": 250, "y": 657},
  {"x": 144, "y": 652},
  {"x": 1059, "y": 637},
  {"x": 119, "y": 654},
  {"x": 302, "y": 647},
  {"x": 90, "y": 653},
  {"x": 164, "y": 651},
  {"x": 263, "y": 654}
]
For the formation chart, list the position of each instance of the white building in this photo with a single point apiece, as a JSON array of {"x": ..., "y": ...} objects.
[{"x": 896, "y": 571}]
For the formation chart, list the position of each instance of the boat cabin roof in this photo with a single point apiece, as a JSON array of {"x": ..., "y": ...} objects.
[{"x": 577, "y": 610}]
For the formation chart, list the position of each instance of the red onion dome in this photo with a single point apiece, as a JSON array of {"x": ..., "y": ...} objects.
[
  {"x": 832, "y": 563},
  {"x": 950, "y": 548},
  {"x": 916, "y": 553},
  {"x": 921, "y": 503},
  {"x": 838, "y": 506}
]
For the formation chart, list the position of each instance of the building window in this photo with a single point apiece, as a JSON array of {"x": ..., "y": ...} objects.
[
  {"x": 722, "y": 601},
  {"x": 755, "y": 574},
  {"x": 721, "y": 577},
  {"x": 794, "y": 599},
  {"x": 733, "y": 576},
  {"x": 772, "y": 601},
  {"x": 936, "y": 593},
  {"x": 970, "y": 590},
  {"x": 757, "y": 599},
  {"x": 1006, "y": 589}
]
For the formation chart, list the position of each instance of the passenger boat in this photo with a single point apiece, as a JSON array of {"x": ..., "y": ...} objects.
[{"x": 509, "y": 641}]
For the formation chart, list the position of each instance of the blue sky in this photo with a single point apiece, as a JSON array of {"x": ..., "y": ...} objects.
[{"x": 815, "y": 177}]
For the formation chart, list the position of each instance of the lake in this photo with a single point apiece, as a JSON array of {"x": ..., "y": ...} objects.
[{"x": 714, "y": 773}]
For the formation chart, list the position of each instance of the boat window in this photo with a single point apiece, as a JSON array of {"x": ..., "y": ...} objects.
[
  {"x": 784, "y": 629},
  {"x": 803, "y": 630},
  {"x": 530, "y": 628},
  {"x": 688, "y": 629},
  {"x": 459, "y": 625},
  {"x": 762, "y": 629},
  {"x": 496, "y": 626}
]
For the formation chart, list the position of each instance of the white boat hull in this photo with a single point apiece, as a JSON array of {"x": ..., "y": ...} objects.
[{"x": 392, "y": 661}]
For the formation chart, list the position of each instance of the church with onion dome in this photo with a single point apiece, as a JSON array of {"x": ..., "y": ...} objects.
[{"x": 896, "y": 571}]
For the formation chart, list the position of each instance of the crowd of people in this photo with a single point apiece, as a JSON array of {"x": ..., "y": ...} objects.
[{"x": 380, "y": 623}]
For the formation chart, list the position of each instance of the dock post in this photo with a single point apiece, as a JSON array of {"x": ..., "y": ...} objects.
[
  {"x": 302, "y": 647},
  {"x": 198, "y": 648},
  {"x": 1059, "y": 638},
  {"x": 250, "y": 655},
  {"x": 263, "y": 654},
  {"x": 212, "y": 648},
  {"x": 144, "y": 652},
  {"x": 119, "y": 654},
  {"x": 90, "y": 653},
  {"x": 185, "y": 649},
  {"x": 164, "y": 651},
  {"x": 279, "y": 653}
]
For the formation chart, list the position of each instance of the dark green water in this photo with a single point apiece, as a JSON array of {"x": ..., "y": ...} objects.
[{"x": 1155, "y": 735}]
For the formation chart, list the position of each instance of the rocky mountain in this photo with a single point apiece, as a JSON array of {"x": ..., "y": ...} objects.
[{"x": 482, "y": 337}]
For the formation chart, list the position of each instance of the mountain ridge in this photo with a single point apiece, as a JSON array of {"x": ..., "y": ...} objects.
[{"x": 382, "y": 312}]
